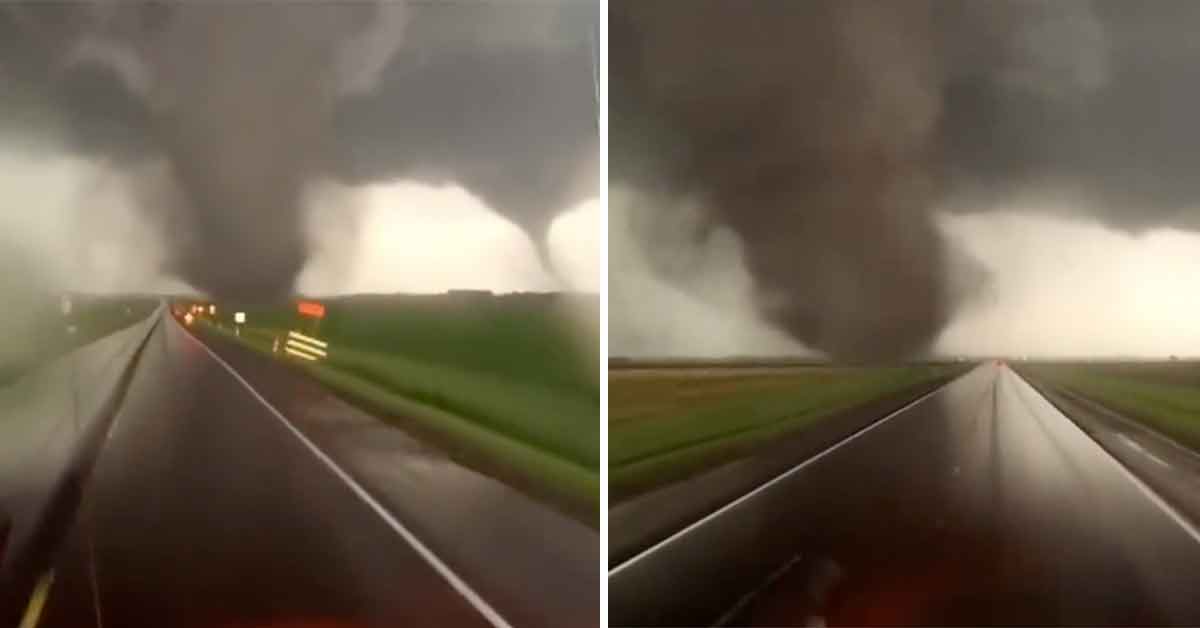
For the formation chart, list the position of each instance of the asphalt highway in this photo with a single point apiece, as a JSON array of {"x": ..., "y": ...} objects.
[
  {"x": 52, "y": 421},
  {"x": 213, "y": 503},
  {"x": 639, "y": 522},
  {"x": 981, "y": 504},
  {"x": 1171, "y": 469}
]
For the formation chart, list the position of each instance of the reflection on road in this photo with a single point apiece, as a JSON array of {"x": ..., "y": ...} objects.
[
  {"x": 204, "y": 508},
  {"x": 980, "y": 505}
]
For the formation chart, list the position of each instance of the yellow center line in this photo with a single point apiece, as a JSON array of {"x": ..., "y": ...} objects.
[{"x": 37, "y": 601}]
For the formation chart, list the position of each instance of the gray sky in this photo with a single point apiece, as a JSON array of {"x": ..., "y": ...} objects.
[
  {"x": 863, "y": 154},
  {"x": 464, "y": 130},
  {"x": 84, "y": 229}
]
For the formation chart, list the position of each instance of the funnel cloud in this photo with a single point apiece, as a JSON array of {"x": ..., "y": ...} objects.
[
  {"x": 249, "y": 105},
  {"x": 829, "y": 137}
]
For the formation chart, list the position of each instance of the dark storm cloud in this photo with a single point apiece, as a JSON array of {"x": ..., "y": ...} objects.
[
  {"x": 451, "y": 118},
  {"x": 827, "y": 133},
  {"x": 1126, "y": 138},
  {"x": 806, "y": 128},
  {"x": 250, "y": 102}
]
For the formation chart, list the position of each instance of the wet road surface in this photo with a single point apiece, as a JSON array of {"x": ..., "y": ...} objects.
[
  {"x": 537, "y": 566},
  {"x": 206, "y": 508},
  {"x": 1171, "y": 469},
  {"x": 980, "y": 505},
  {"x": 639, "y": 522},
  {"x": 52, "y": 421}
]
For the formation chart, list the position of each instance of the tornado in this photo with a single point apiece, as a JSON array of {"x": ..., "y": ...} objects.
[
  {"x": 829, "y": 137},
  {"x": 248, "y": 105}
]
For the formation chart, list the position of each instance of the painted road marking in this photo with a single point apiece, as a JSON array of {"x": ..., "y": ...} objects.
[
  {"x": 747, "y": 598},
  {"x": 1158, "y": 460},
  {"x": 779, "y": 478},
  {"x": 444, "y": 570},
  {"x": 37, "y": 601},
  {"x": 1139, "y": 427},
  {"x": 1133, "y": 443},
  {"x": 1142, "y": 450},
  {"x": 1154, "y": 498}
]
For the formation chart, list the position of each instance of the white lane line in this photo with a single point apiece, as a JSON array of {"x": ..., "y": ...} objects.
[
  {"x": 1169, "y": 510},
  {"x": 1133, "y": 443},
  {"x": 1133, "y": 424},
  {"x": 746, "y": 599},
  {"x": 93, "y": 578},
  {"x": 779, "y": 478},
  {"x": 1142, "y": 450},
  {"x": 37, "y": 601},
  {"x": 444, "y": 570},
  {"x": 1160, "y": 461}
]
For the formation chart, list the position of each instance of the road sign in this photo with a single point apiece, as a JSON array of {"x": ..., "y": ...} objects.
[
  {"x": 311, "y": 308},
  {"x": 306, "y": 347}
]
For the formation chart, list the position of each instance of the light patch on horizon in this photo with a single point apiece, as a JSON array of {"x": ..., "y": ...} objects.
[
  {"x": 75, "y": 225},
  {"x": 576, "y": 246},
  {"x": 1064, "y": 287},
  {"x": 652, "y": 317},
  {"x": 410, "y": 237},
  {"x": 75, "y": 221},
  {"x": 68, "y": 225}
]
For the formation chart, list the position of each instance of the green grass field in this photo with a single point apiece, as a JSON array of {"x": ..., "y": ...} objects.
[
  {"x": 666, "y": 424},
  {"x": 1163, "y": 395},
  {"x": 510, "y": 382},
  {"x": 46, "y": 334}
]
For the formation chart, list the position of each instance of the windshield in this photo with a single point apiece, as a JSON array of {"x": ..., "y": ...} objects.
[
  {"x": 902, "y": 313},
  {"x": 302, "y": 313}
]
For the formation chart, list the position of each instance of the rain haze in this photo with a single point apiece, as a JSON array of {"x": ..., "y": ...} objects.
[
  {"x": 903, "y": 303},
  {"x": 333, "y": 266},
  {"x": 329, "y": 147},
  {"x": 881, "y": 180}
]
